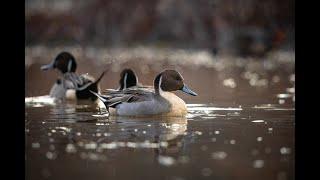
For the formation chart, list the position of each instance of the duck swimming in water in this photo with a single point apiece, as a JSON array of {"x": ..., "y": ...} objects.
[
  {"x": 128, "y": 80},
  {"x": 71, "y": 86},
  {"x": 141, "y": 102}
]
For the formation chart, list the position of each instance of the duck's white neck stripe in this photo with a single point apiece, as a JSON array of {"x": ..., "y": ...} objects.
[
  {"x": 180, "y": 75},
  {"x": 69, "y": 65},
  {"x": 159, "y": 86},
  {"x": 137, "y": 80},
  {"x": 125, "y": 81}
]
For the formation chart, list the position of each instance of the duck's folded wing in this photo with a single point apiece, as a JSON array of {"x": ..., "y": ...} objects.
[
  {"x": 137, "y": 96},
  {"x": 114, "y": 101}
]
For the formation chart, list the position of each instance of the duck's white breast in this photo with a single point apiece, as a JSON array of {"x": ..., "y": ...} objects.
[
  {"x": 58, "y": 91},
  {"x": 178, "y": 106},
  {"x": 168, "y": 105}
]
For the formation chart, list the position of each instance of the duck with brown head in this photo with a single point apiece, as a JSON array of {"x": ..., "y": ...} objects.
[
  {"x": 128, "y": 80},
  {"x": 141, "y": 102},
  {"x": 70, "y": 85}
]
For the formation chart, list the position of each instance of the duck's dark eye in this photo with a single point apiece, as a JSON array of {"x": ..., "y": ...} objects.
[{"x": 58, "y": 81}]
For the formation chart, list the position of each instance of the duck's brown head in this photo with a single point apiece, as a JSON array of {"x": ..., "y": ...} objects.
[
  {"x": 64, "y": 62},
  {"x": 128, "y": 79},
  {"x": 171, "y": 80}
]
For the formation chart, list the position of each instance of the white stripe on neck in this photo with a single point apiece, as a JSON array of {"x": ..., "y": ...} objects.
[
  {"x": 159, "y": 86},
  {"x": 69, "y": 65},
  {"x": 137, "y": 81},
  {"x": 125, "y": 81}
]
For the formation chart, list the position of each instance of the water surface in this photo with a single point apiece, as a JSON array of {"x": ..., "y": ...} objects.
[{"x": 241, "y": 126}]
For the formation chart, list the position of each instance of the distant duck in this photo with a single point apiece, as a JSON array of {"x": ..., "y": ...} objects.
[
  {"x": 128, "y": 80},
  {"x": 159, "y": 101},
  {"x": 71, "y": 86}
]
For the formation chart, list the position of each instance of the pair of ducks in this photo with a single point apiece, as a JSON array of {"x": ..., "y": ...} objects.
[{"x": 130, "y": 99}]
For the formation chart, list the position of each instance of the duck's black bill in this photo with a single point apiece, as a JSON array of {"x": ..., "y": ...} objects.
[
  {"x": 47, "y": 67},
  {"x": 187, "y": 90}
]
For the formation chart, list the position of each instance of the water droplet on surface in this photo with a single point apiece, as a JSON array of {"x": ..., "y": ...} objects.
[
  {"x": 292, "y": 78},
  {"x": 267, "y": 150},
  {"x": 132, "y": 145},
  {"x": 80, "y": 143},
  {"x": 204, "y": 148},
  {"x": 135, "y": 130},
  {"x": 70, "y": 148},
  {"x": 281, "y": 101},
  {"x": 164, "y": 144},
  {"x": 183, "y": 159},
  {"x": 258, "y": 163},
  {"x": 257, "y": 121},
  {"x": 290, "y": 90},
  {"x": 254, "y": 152},
  {"x": 121, "y": 144},
  {"x": 52, "y": 147},
  {"x": 166, "y": 160},
  {"x": 91, "y": 145},
  {"x": 83, "y": 155},
  {"x": 78, "y": 133},
  {"x": 51, "y": 155},
  {"x": 283, "y": 96},
  {"x": 219, "y": 155},
  {"x": 285, "y": 150},
  {"x": 259, "y": 139},
  {"x": 35, "y": 145},
  {"x": 229, "y": 83},
  {"x": 282, "y": 176},
  {"x": 45, "y": 173},
  {"x": 198, "y": 133},
  {"x": 111, "y": 145},
  {"x": 206, "y": 172},
  {"x": 275, "y": 79},
  {"x": 216, "y": 132},
  {"x": 107, "y": 134},
  {"x": 232, "y": 141},
  {"x": 93, "y": 156}
]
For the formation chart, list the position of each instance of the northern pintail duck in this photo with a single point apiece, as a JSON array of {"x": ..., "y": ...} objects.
[
  {"x": 141, "y": 102},
  {"x": 70, "y": 85},
  {"x": 128, "y": 79}
]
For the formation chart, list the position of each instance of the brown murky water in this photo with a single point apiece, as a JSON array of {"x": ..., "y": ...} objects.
[{"x": 241, "y": 126}]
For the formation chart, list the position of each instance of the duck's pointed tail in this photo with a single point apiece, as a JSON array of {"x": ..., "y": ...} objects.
[
  {"x": 102, "y": 98},
  {"x": 100, "y": 77}
]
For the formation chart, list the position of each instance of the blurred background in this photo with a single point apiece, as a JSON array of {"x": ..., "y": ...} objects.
[
  {"x": 231, "y": 37},
  {"x": 242, "y": 27}
]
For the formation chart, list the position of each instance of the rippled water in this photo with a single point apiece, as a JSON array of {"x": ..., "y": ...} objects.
[
  {"x": 65, "y": 141},
  {"x": 241, "y": 126}
]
